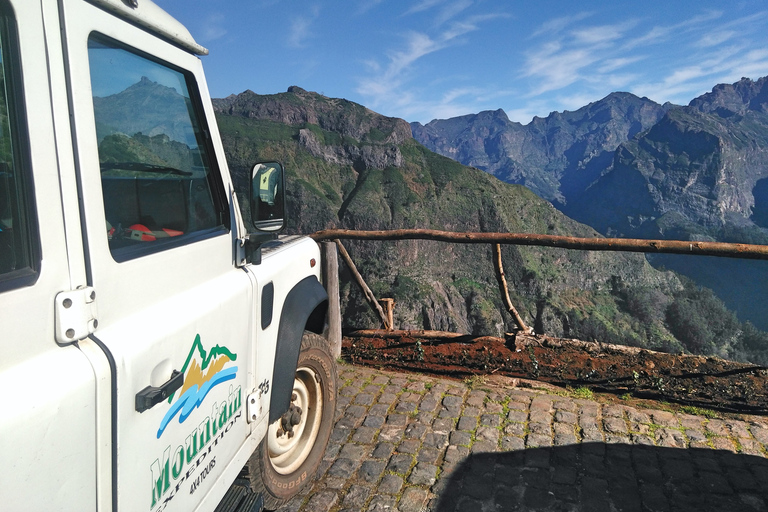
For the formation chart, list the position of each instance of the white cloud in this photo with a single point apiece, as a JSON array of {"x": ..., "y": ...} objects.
[
  {"x": 301, "y": 28},
  {"x": 557, "y": 25},
  {"x": 715, "y": 38},
  {"x": 213, "y": 27}
]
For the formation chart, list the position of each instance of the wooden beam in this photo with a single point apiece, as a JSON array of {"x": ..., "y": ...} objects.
[
  {"x": 361, "y": 282},
  {"x": 720, "y": 249},
  {"x": 505, "y": 290},
  {"x": 331, "y": 282}
]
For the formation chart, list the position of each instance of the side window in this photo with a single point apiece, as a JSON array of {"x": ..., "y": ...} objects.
[
  {"x": 18, "y": 256},
  {"x": 157, "y": 181}
]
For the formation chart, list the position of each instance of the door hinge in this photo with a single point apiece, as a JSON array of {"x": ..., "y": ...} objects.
[
  {"x": 76, "y": 315},
  {"x": 240, "y": 255}
]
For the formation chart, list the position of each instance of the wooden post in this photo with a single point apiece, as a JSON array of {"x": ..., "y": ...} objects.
[
  {"x": 389, "y": 309},
  {"x": 360, "y": 281},
  {"x": 331, "y": 281},
  {"x": 505, "y": 291}
]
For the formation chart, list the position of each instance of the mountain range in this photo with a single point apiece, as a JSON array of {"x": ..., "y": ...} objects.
[
  {"x": 630, "y": 167},
  {"x": 349, "y": 167}
]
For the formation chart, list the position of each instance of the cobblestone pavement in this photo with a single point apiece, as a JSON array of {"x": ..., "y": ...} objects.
[{"x": 412, "y": 443}]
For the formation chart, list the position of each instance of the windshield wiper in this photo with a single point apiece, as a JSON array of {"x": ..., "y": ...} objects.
[{"x": 140, "y": 167}]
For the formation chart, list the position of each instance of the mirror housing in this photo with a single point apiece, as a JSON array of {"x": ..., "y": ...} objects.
[
  {"x": 267, "y": 205},
  {"x": 267, "y": 197}
]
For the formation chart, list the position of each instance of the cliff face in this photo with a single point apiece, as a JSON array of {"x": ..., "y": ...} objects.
[
  {"x": 629, "y": 167},
  {"x": 557, "y": 157},
  {"x": 338, "y": 180}
]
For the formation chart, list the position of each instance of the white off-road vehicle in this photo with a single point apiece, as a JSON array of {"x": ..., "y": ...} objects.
[{"x": 152, "y": 344}]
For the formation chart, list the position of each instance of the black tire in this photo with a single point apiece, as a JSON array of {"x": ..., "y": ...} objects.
[{"x": 281, "y": 466}]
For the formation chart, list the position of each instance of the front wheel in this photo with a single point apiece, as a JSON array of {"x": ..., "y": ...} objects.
[{"x": 293, "y": 448}]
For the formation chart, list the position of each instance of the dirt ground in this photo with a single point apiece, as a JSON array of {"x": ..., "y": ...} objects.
[{"x": 706, "y": 382}]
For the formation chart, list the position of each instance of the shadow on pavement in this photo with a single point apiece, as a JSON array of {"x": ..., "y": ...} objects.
[{"x": 607, "y": 477}]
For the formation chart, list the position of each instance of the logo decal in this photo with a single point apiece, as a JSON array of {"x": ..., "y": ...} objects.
[{"x": 202, "y": 372}]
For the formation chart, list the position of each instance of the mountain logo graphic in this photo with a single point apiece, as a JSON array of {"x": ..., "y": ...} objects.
[{"x": 202, "y": 371}]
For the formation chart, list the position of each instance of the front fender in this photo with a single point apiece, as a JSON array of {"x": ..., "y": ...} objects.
[{"x": 305, "y": 307}]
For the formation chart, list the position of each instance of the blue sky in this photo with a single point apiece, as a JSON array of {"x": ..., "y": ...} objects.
[{"x": 427, "y": 59}]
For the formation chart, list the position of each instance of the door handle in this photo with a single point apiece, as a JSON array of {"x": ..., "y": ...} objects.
[{"x": 150, "y": 396}]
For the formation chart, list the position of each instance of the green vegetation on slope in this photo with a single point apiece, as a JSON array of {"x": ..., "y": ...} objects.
[{"x": 611, "y": 297}]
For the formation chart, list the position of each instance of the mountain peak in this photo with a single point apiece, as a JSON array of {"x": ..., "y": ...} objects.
[{"x": 736, "y": 98}]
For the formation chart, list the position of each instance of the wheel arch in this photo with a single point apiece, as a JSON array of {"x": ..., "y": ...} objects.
[{"x": 305, "y": 308}]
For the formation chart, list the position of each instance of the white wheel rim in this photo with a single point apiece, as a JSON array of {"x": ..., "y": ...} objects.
[{"x": 288, "y": 454}]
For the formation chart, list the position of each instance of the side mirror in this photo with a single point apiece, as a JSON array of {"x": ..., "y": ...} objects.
[{"x": 267, "y": 197}]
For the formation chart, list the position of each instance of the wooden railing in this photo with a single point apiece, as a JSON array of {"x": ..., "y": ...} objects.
[{"x": 694, "y": 248}]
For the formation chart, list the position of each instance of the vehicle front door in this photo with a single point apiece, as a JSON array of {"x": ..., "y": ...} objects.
[{"x": 174, "y": 311}]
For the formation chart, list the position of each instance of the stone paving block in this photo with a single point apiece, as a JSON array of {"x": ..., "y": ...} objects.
[
  {"x": 635, "y": 416},
  {"x": 615, "y": 425},
  {"x": 363, "y": 399},
  {"x": 409, "y": 446},
  {"x": 483, "y": 447},
  {"x": 519, "y": 416},
  {"x": 415, "y": 431},
  {"x": 563, "y": 416},
  {"x": 538, "y": 441},
  {"x": 511, "y": 443},
  {"x": 723, "y": 443},
  {"x": 382, "y": 503},
  {"x": 717, "y": 428},
  {"x": 423, "y": 474},
  {"x": 641, "y": 439},
  {"x": 414, "y": 500},
  {"x": 365, "y": 435},
  {"x": 379, "y": 410},
  {"x": 617, "y": 438},
  {"x": 493, "y": 408},
  {"x": 354, "y": 451},
  {"x": 540, "y": 416},
  {"x": 695, "y": 435},
  {"x": 390, "y": 484},
  {"x": 490, "y": 420},
  {"x": 452, "y": 401},
  {"x": 449, "y": 412},
  {"x": 322, "y": 501},
  {"x": 343, "y": 468},
  {"x": 760, "y": 432},
  {"x": 471, "y": 411},
  {"x": 564, "y": 439},
  {"x": 513, "y": 405},
  {"x": 400, "y": 463},
  {"x": 664, "y": 419},
  {"x": 515, "y": 429},
  {"x": 371, "y": 470},
  {"x": 541, "y": 404},
  {"x": 751, "y": 447},
  {"x": 489, "y": 434},
  {"x": 670, "y": 438},
  {"x": 458, "y": 437},
  {"x": 738, "y": 429},
  {"x": 442, "y": 425},
  {"x": 356, "y": 497},
  {"x": 455, "y": 454},
  {"x": 383, "y": 450},
  {"x": 391, "y": 434},
  {"x": 416, "y": 386},
  {"x": 387, "y": 399},
  {"x": 613, "y": 411},
  {"x": 405, "y": 407},
  {"x": 374, "y": 421},
  {"x": 397, "y": 420},
  {"x": 430, "y": 455},
  {"x": 436, "y": 440},
  {"x": 543, "y": 429}
]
